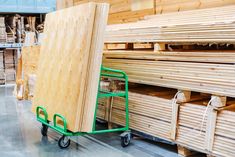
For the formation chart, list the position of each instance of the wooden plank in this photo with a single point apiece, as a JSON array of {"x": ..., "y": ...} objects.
[
  {"x": 208, "y": 56},
  {"x": 68, "y": 57},
  {"x": 30, "y": 57},
  {"x": 199, "y": 77},
  {"x": 166, "y": 6},
  {"x": 213, "y": 25}
]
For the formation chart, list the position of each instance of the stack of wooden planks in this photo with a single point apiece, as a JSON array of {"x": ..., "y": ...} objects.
[
  {"x": 200, "y": 77},
  {"x": 3, "y": 34},
  {"x": 149, "y": 108},
  {"x": 2, "y": 74},
  {"x": 224, "y": 140},
  {"x": 10, "y": 65},
  {"x": 213, "y": 25},
  {"x": 27, "y": 66},
  {"x": 121, "y": 11},
  {"x": 166, "y": 6},
  {"x": 187, "y": 52},
  {"x": 115, "y": 5},
  {"x": 69, "y": 64}
]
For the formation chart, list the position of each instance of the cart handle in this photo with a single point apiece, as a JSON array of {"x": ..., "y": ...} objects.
[
  {"x": 64, "y": 122},
  {"x": 40, "y": 108}
]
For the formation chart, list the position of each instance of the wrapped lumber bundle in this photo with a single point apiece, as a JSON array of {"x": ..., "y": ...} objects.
[
  {"x": 150, "y": 110},
  {"x": 224, "y": 140},
  {"x": 191, "y": 130}
]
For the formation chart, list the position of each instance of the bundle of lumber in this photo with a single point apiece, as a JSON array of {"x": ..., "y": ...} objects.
[
  {"x": 3, "y": 34},
  {"x": 150, "y": 110},
  {"x": 115, "y": 5},
  {"x": 224, "y": 140},
  {"x": 9, "y": 65},
  {"x": 166, "y": 6},
  {"x": 192, "y": 125},
  {"x": 204, "y": 128},
  {"x": 2, "y": 74},
  {"x": 199, "y": 56},
  {"x": 69, "y": 64},
  {"x": 27, "y": 72},
  {"x": 213, "y": 25},
  {"x": 200, "y": 77}
]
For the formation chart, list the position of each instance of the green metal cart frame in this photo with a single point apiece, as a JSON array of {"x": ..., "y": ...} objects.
[{"x": 64, "y": 141}]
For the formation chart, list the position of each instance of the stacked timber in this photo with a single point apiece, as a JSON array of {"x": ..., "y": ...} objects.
[
  {"x": 190, "y": 53},
  {"x": 121, "y": 11},
  {"x": 30, "y": 57},
  {"x": 2, "y": 73},
  {"x": 166, "y": 6},
  {"x": 224, "y": 139},
  {"x": 9, "y": 65},
  {"x": 200, "y": 77},
  {"x": 149, "y": 108},
  {"x": 3, "y": 34},
  {"x": 213, "y": 25}
]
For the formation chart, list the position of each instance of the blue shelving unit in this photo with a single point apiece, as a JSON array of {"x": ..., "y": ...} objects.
[{"x": 27, "y": 6}]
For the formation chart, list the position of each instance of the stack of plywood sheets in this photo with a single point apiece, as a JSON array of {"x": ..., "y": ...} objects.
[
  {"x": 30, "y": 57},
  {"x": 69, "y": 64},
  {"x": 213, "y": 25},
  {"x": 166, "y": 6},
  {"x": 150, "y": 110}
]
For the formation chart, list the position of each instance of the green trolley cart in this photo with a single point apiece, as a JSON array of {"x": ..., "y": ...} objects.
[{"x": 64, "y": 141}]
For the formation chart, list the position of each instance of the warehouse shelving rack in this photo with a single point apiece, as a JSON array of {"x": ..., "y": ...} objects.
[{"x": 64, "y": 141}]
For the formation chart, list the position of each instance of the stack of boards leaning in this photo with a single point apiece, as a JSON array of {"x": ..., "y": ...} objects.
[
  {"x": 149, "y": 57},
  {"x": 69, "y": 64}
]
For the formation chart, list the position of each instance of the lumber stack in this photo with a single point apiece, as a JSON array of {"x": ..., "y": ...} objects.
[
  {"x": 192, "y": 125},
  {"x": 115, "y": 6},
  {"x": 121, "y": 11},
  {"x": 149, "y": 108},
  {"x": 69, "y": 64},
  {"x": 213, "y": 25},
  {"x": 189, "y": 53},
  {"x": 2, "y": 73},
  {"x": 3, "y": 34},
  {"x": 166, "y": 6},
  {"x": 225, "y": 132},
  {"x": 201, "y": 77},
  {"x": 9, "y": 65},
  {"x": 30, "y": 57}
]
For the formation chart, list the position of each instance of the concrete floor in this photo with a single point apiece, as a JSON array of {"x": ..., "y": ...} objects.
[{"x": 20, "y": 137}]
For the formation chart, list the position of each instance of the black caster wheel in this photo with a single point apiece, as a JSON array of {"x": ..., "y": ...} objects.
[
  {"x": 125, "y": 139},
  {"x": 44, "y": 130},
  {"x": 64, "y": 142}
]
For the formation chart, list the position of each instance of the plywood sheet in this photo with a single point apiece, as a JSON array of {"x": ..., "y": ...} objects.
[
  {"x": 30, "y": 57},
  {"x": 70, "y": 59}
]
